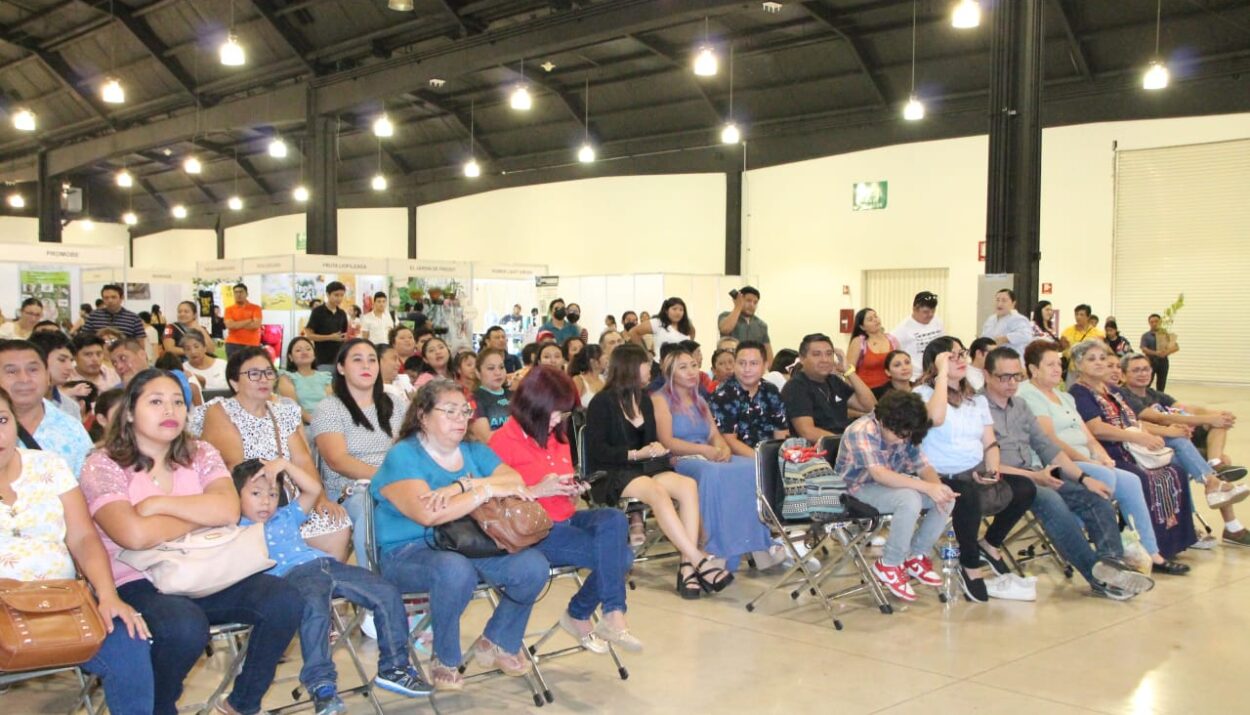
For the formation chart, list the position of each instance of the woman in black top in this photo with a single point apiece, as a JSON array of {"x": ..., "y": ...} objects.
[{"x": 621, "y": 443}]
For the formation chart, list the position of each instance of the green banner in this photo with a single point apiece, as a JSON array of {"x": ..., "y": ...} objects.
[{"x": 52, "y": 289}]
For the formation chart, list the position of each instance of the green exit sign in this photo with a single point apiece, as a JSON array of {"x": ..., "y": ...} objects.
[{"x": 869, "y": 195}]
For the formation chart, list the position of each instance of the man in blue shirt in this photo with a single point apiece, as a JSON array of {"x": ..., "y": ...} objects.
[
  {"x": 319, "y": 579},
  {"x": 24, "y": 375},
  {"x": 560, "y": 324}
]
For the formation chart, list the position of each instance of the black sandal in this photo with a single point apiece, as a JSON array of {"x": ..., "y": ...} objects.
[
  {"x": 690, "y": 587},
  {"x": 1170, "y": 568},
  {"x": 710, "y": 584}
]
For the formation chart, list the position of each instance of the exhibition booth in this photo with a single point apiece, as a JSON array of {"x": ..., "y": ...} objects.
[{"x": 61, "y": 276}]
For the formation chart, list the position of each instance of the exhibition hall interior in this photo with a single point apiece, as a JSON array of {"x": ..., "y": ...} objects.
[{"x": 404, "y": 356}]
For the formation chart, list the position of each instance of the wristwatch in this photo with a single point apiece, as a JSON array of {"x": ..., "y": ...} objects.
[{"x": 1081, "y": 479}]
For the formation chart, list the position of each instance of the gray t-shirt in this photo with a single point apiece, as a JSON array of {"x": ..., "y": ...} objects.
[
  {"x": 369, "y": 446},
  {"x": 753, "y": 328}
]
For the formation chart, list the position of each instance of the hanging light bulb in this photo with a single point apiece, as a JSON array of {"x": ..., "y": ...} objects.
[
  {"x": 125, "y": 179},
  {"x": 586, "y": 154},
  {"x": 179, "y": 211},
  {"x": 913, "y": 111},
  {"x": 112, "y": 91},
  {"x": 730, "y": 134},
  {"x": 399, "y": 5},
  {"x": 24, "y": 120},
  {"x": 88, "y": 225},
  {"x": 17, "y": 201},
  {"x": 966, "y": 15},
  {"x": 472, "y": 169},
  {"x": 521, "y": 99},
  {"x": 235, "y": 203},
  {"x": 192, "y": 165},
  {"x": 129, "y": 218},
  {"x": 231, "y": 52},
  {"x": 300, "y": 193},
  {"x": 705, "y": 62},
  {"x": 378, "y": 183},
  {"x": 382, "y": 127},
  {"x": 277, "y": 148},
  {"x": 1156, "y": 76}
]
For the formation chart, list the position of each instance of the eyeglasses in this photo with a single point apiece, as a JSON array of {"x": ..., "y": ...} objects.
[
  {"x": 959, "y": 355},
  {"x": 261, "y": 375},
  {"x": 456, "y": 413},
  {"x": 1010, "y": 377}
]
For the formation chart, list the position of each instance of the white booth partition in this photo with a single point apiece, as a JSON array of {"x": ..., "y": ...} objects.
[
  {"x": 497, "y": 287},
  {"x": 147, "y": 287},
  {"x": 57, "y": 275},
  {"x": 440, "y": 289}
]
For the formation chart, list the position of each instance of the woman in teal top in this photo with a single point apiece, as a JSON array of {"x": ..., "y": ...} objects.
[
  {"x": 302, "y": 381},
  {"x": 431, "y": 477}
]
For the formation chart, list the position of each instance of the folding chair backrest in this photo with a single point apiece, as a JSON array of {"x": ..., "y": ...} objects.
[
  {"x": 829, "y": 444},
  {"x": 768, "y": 479},
  {"x": 371, "y": 540},
  {"x": 579, "y": 441}
]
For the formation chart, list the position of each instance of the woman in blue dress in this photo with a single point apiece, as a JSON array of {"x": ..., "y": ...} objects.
[{"x": 685, "y": 426}]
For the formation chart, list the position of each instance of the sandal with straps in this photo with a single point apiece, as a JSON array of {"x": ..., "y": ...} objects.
[
  {"x": 707, "y": 577},
  {"x": 689, "y": 587}
]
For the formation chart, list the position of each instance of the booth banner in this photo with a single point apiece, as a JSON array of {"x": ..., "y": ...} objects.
[
  {"x": 99, "y": 275},
  {"x": 339, "y": 264},
  {"x": 430, "y": 269},
  {"x": 62, "y": 253},
  {"x": 52, "y": 289},
  {"x": 138, "y": 291},
  {"x": 273, "y": 264},
  {"x": 366, "y": 287},
  {"x": 275, "y": 292},
  {"x": 214, "y": 271},
  {"x": 312, "y": 286},
  {"x": 506, "y": 272}
]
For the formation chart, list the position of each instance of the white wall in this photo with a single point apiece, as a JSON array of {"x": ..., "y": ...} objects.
[
  {"x": 268, "y": 237},
  {"x": 632, "y": 224},
  {"x": 804, "y": 242},
  {"x": 21, "y": 229},
  {"x": 177, "y": 249},
  {"x": 373, "y": 233}
]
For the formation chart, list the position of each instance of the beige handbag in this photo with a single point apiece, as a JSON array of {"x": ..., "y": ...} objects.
[
  {"x": 203, "y": 562},
  {"x": 1147, "y": 458}
]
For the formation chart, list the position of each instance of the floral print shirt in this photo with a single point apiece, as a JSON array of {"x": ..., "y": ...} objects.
[{"x": 32, "y": 529}]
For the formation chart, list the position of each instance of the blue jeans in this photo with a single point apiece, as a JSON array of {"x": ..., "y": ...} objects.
[
  {"x": 179, "y": 628},
  {"x": 124, "y": 666},
  {"x": 324, "y": 579},
  {"x": 1058, "y": 510},
  {"x": 450, "y": 578},
  {"x": 1187, "y": 457},
  {"x": 905, "y": 504},
  {"x": 598, "y": 540},
  {"x": 355, "y": 507},
  {"x": 1127, "y": 490}
]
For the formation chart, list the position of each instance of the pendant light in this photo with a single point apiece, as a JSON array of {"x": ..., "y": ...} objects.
[
  {"x": 231, "y": 52},
  {"x": 112, "y": 91},
  {"x": 87, "y": 225},
  {"x": 125, "y": 179},
  {"x": 277, "y": 147},
  {"x": 24, "y": 120},
  {"x": 17, "y": 201},
  {"x": 913, "y": 111},
  {"x": 382, "y": 126},
  {"x": 521, "y": 99},
  {"x": 192, "y": 165},
  {"x": 966, "y": 15},
  {"x": 235, "y": 202},
  {"x": 129, "y": 218},
  {"x": 399, "y": 5},
  {"x": 379, "y": 179},
  {"x": 179, "y": 211},
  {"x": 1156, "y": 76},
  {"x": 471, "y": 168},
  {"x": 586, "y": 154},
  {"x": 706, "y": 63},
  {"x": 730, "y": 134}
]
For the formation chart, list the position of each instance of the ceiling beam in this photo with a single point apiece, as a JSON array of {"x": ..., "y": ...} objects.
[
  {"x": 151, "y": 191},
  {"x": 145, "y": 36},
  {"x": 830, "y": 19},
  {"x": 468, "y": 26},
  {"x": 457, "y": 117},
  {"x": 295, "y": 42},
  {"x": 195, "y": 180},
  {"x": 242, "y": 162},
  {"x": 669, "y": 56},
  {"x": 572, "y": 106},
  {"x": 63, "y": 73},
  {"x": 1080, "y": 61}
]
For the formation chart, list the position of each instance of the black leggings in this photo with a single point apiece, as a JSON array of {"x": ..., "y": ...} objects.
[{"x": 966, "y": 517}]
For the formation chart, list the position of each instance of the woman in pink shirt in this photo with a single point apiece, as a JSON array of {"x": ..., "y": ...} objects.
[
  {"x": 535, "y": 443},
  {"x": 150, "y": 483}
]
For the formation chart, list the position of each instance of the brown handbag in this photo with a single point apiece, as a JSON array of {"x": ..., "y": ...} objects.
[
  {"x": 512, "y": 523},
  {"x": 47, "y": 624}
]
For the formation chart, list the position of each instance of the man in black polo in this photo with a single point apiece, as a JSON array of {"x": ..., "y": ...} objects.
[
  {"x": 498, "y": 339},
  {"x": 327, "y": 326},
  {"x": 818, "y": 395},
  {"x": 113, "y": 314}
]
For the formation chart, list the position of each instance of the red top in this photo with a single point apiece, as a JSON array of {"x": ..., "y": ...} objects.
[
  {"x": 521, "y": 452},
  {"x": 872, "y": 369}
]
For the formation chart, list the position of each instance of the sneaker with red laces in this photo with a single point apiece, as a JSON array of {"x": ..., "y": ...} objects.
[
  {"x": 921, "y": 569},
  {"x": 895, "y": 579}
]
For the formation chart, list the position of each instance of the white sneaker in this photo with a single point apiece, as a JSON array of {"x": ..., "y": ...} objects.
[
  {"x": 776, "y": 554},
  {"x": 877, "y": 541},
  {"x": 1215, "y": 500},
  {"x": 1009, "y": 587},
  {"x": 813, "y": 563},
  {"x": 1206, "y": 543}
]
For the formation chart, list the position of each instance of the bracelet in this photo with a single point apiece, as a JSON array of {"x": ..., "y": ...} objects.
[
  {"x": 849, "y": 371},
  {"x": 1081, "y": 479}
]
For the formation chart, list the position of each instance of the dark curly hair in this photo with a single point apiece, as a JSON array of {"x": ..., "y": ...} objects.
[{"x": 904, "y": 414}]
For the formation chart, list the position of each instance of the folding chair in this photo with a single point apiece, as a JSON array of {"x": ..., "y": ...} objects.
[
  {"x": 1030, "y": 542},
  {"x": 86, "y": 686},
  {"x": 345, "y": 628},
  {"x": 481, "y": 592},
  {"x": 235, "y": 636}
]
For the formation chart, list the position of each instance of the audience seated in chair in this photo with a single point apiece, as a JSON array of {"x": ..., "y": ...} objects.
[{"x": 819, "y": 392}]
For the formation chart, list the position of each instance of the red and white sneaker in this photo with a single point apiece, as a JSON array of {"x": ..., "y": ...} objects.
[
  {"x": 921, "y": 569},
  {"x": 895, "y": 579}
]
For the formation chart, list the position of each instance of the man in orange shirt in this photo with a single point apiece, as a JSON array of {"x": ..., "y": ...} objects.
[{"x": 243, "y": 320}]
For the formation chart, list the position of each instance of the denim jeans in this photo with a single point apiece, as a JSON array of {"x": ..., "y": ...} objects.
[
  {"x": 1058, "y": 511},
  {"x": 1188, "y": 459},
  {"x": 450, "y": 578},
  {"x": 325, "y": 579},
  {"x": 179, "y": 628},
  {"x": 124, "y": 665},
  {"x": 598, "y": 540},
  {"x": 1127, "y": 490},
  {"x": 905, "y": 504}
]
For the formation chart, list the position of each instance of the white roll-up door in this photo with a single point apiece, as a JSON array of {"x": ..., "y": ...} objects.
[
  {"x": 1182, "y": 225},
  {"x": 891, "y": 292}
]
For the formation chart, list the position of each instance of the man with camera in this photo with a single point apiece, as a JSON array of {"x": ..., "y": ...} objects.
[
  {"x": 742, "y": 322},
  {"x": 1063, "y": 490}
]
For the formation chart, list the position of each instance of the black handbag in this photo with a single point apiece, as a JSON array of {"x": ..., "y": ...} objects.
[
  {"x": 993, "y": 498},
  {"x": 652, "y": 466},
  {"x": 464, "y": 537}
]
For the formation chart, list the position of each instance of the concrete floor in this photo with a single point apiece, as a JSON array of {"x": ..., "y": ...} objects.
[{"x": 1172, "y": 650}]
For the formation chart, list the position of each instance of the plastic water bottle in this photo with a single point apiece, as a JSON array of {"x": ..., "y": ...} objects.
[{"x": 949, "y": 553}]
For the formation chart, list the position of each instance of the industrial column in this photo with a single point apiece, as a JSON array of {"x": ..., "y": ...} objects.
[{"x": 322, "y": 212}]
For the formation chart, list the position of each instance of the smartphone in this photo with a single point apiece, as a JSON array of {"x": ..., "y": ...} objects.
[
  {"x": 1056, "y": 472},
  {"x": 733, "y": 293}
]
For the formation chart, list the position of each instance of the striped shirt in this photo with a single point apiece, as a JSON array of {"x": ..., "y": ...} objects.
[{"x": 127, "y": 322}]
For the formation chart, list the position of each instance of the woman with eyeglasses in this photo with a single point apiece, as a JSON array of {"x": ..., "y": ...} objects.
[
  {"x": 255, "y": 424},
  {"x": 30, "y": 313},
  {"x": 432, "y": 477},
  {"x": 962, "y": 448}
]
